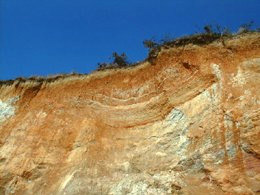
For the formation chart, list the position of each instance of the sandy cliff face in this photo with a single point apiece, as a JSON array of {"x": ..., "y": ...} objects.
[{"x": 187, "y": 124}]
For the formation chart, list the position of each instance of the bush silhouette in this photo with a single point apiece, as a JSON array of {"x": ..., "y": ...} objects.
[
  {"x": 150, "y": 44},
  {"x": 119, "y": 61}
]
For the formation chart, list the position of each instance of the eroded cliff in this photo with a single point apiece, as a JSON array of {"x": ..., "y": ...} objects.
[{"x": 186, "y": 124}]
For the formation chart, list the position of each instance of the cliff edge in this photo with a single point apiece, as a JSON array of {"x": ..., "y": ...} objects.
[{"x": 189, "y": 123}]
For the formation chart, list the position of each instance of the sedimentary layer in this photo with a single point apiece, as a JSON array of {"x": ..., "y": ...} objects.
[{"x": 188, "y": 123}]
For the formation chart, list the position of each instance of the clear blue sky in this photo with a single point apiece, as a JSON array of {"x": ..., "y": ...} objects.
[{"x": 43, "y": 37}]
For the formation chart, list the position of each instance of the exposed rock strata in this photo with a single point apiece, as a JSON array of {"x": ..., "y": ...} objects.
[{"x": 188, "y": 124}]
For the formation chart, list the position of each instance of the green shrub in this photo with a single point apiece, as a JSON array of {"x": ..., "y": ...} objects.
[
  {"x": 118, "y": 61},
  {"x": 150, "y": 44}
]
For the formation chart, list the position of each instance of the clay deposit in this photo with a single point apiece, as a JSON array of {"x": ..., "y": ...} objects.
[{"x": 189, "y": 123}]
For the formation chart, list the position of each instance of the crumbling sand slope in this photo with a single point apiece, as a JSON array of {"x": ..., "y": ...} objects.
[{"x": 187, "y": 124}]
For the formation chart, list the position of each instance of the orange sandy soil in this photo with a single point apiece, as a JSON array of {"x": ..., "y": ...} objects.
[{"x": 109, "y": 114}]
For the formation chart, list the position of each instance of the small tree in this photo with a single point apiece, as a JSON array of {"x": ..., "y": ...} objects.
[
  {"x": 120, "y": 60},
  {"x": 117, "y": 61},
  {"x": 150, "y": 44}
]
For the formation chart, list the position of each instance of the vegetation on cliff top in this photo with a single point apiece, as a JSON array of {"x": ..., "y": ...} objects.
[{"x": 209, "y": 35}]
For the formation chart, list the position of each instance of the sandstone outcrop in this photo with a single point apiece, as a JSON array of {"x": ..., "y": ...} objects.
[{"x": 187, "y": 124}]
